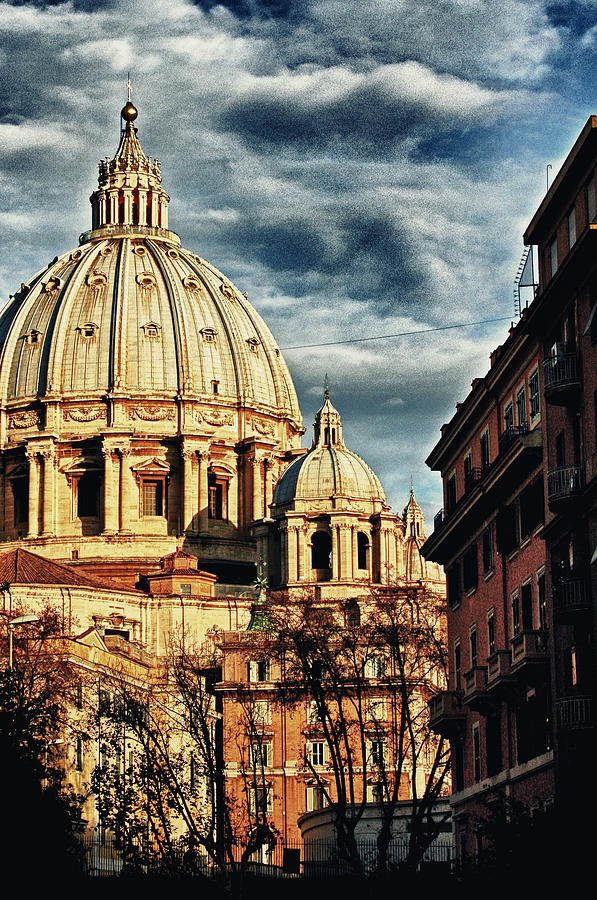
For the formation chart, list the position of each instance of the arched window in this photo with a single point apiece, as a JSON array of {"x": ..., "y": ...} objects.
[
  {"x": 362, "y": 551},
  {"x": 326, "y": 436},
  {"x": 321, "y": 551}
]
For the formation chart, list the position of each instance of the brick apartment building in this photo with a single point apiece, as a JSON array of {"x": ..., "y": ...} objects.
[{"x": 518, "y": 532}]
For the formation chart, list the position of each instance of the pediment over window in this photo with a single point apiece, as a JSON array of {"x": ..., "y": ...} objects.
[{"x": 151, "y": 468}]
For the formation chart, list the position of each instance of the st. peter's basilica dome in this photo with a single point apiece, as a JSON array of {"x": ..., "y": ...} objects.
[{"x": 143, "y": 399}]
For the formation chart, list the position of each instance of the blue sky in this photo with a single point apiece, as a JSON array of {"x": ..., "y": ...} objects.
[{"x": 360, "y": 168}]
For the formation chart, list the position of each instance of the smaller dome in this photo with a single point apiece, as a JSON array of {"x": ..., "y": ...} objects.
[{"x": 329, "y": 469}]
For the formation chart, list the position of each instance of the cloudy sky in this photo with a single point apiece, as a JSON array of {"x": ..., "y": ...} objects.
[{"x": 360, "y": 167}]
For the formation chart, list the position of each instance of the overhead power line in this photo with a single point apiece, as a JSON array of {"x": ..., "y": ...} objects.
[{"x": 380, "y": 337}]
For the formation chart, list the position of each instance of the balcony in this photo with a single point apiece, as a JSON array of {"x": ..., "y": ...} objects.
[
  {"x": 500, "y": 680},
  {"x": 570, "y": 599},
  {"x": 475, "y": 689},
  {"x": 564, "y": 485},
  {"x": 471, "y": 478},
  {"x": 574, "y": 712},
  {"x": 446, "y": 716},
  {"x": 529, "y": 654},
  {"x": 561, "y": 377},
  {"x": 510, "y": 435}
]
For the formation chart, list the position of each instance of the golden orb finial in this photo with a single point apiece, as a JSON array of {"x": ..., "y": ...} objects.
[{"x": 129, "y": 112}]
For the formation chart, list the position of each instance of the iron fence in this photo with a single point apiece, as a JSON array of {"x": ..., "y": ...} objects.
[{"x": 106, "y": 857}]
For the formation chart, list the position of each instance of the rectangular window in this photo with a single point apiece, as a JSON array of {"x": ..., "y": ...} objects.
[
  {"x": 451, "y": 493},
  {"x": 376, "y": 667},
  {"x": 509, "y": 417},
  {"x": 185, "y": 588},
  {"x": 507, "y": 529},
  {"x": 316, "y": 750},
  {"x": 457, "y": 666},
  {"x": 532, "y": 507},
  {"x": 152, "y": 498},
  {"x": 591, "y": 207},
  {"x": 553, "y": 256},
  {"x": 573, "y": 667},
  {"x": 313, "y": 716},
  {"x": 526, "y": 606},
  {"x": 542, "y": 601},
  {"x": 377, "y": 753},
  {"x": 79, "y": 755},
  {"x": 473, "y": 642},
  {"x": 453, "y": 585},
  {"x": 215, "y": 499},
  {"x": 315, "y": 798},
  {"x": 485, "y": 458},
  {"x": 259, "y": 670},
  {"x": 491, "y": 632},
  {"x": 515, "y": 614},
  {"x": 488, "y": 549},
  {"x": 468, "y": 466},
  {"x": 521, "y": 408},
  {"x": 476, "y": 753},
  {"x": 534, "y": 394},
  {"x": 262, "y": 713},
  {"x": 261, "y": 755},
  {"x": 470, "y": 575},
  {"x": 376, "y": 709},
  {"x": 572, "y": 228}
]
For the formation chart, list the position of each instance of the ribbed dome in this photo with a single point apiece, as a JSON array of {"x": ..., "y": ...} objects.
[
  {"x": 329, "y": 469},
  {"x": 138, "y": 314}
]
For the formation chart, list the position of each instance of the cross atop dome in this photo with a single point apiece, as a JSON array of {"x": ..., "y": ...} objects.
[{"x": 327, "y": 427}]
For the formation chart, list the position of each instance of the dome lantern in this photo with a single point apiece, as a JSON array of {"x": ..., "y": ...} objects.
[{"x": 129, "y": 192}]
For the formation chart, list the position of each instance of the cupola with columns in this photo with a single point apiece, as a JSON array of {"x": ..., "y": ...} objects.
[
  {"x": 129, "y": 189},
  {"x": 331, "y": 528}
]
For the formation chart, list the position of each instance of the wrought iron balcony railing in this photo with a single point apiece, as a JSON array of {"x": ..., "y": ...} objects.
[
  {"x": 561, "y": 372},
  {"x": 564, "y": 483}
]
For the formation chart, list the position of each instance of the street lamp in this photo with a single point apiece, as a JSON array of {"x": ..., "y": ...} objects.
[{"x": 13, "y": 623}]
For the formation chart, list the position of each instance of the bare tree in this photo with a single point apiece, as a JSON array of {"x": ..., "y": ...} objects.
[
  {"x": 161, "y": 785},
  {"x": 367, "y": 670},
  {"x": 38, "y": 689}
]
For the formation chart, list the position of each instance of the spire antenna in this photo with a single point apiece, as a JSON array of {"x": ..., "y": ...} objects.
[{"x": 128, "y": 86}]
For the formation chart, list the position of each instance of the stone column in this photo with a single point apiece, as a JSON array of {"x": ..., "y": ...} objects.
[
  {"x": 142, "y": 207},
  {"x": 335, "y": 553},
  {"x": 203, "y": 492},
  {"x": 284, "y": 552},
  {"x": 345, "y": 553},
  {"x": 48, "y": 456},
  {"x": 187, "y": 490},
  {"x": 354, "y": 555},
  {"x": 257, "y": 502},
  {"x": 128, "y": 206},
  {"x": 383, "y": 555},
  {"x": 113, "y": 201},
  {"x": 268, "y": 465},
  {"x": 293, "y": 574},
  {"x": 110, "y": 498},
  {"x": 154, "y": 210},
  {"x": 33, "y": 524},
  {"x": 102, "y": 209},
  {"x": 125, "y": 492}
]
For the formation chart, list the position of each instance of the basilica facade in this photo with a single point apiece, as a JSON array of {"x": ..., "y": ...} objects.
[{"x": 150, "y": 446}]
